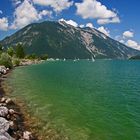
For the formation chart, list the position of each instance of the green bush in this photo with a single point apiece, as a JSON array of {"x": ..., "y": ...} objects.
[
  {"x": 31, "y": 56},
  {"x": 10, "y": 51},
  {"x": 6, "y": 60},
  {"x": 1, "y": 48},
  {"x": 44, "y": 57},
  {"x": 16, "y": 62}
]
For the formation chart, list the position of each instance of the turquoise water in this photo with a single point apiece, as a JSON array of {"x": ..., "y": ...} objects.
[{"x": 91, "y": 100}]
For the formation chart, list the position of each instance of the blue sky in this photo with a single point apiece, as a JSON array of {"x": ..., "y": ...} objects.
[{"x": 119, "y": 19}]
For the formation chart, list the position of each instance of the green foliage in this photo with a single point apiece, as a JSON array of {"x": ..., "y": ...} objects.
[
  {"x": 34, "y": 56},
  {"x": 1, "y": 48},
  {"x": 44, "y": 57},
  {"x": 16, "y": 62},
  {"x": 31, "y": 56},
  {"x": 10, "y": 51},
  {"x": 6, "y": 60},
  {"x": 19, "y": 51}
]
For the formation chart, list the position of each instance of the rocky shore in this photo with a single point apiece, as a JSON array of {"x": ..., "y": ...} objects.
[
  {"x": 16, "y": 123},
  {"x": 26, "y": 62},
  {"x": 12, "y": 123}
]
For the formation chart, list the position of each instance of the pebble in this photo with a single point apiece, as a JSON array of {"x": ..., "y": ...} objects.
[
  {"x": 8, "y": 101},
  {"x": 26, "y": 135},
  {"x": 3, "y": 100},
  {"x": 3, "y": 104},
  {"x": 11, "y": 111}
]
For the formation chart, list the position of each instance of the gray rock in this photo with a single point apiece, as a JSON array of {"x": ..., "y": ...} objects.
[
  {"x": 3, "y": 70},
  {"x": 4, "y": 125},
  {"x": 11, "y": 123},
  {"x": 26, "y": 135},
  {"x": 3, "y": 104},
  {"x": 5, "y": 136},
  {"x": 11, "y": 111},
  {"x": 3, "y": 99},
  {"x": 8, "y": 101},
  {"x": 3, "y": 111}
]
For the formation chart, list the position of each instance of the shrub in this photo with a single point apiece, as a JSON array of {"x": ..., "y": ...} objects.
[
  {"x": 44, "y": 57},
  {"x": 10, "y": 51},
  {"x": 6, "y": 60},
  {"x": 31, "y": 56},
  {"x": 16, "y": 62}
]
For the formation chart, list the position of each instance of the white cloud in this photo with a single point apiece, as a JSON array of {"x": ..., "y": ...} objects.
[
  {"x": 104, "y": 30},
  {"x": 133, "y": 44},
  {"x": 70, "y": 22},
  {"x": 94, "y": 9},
  {"x": 3, "y": 24},
  {"x": 108, "y": 20},
  {"x": 1, "y": 12},
  {"x": 25, "y": 14},
  {"x": 90, "y": 25},
  {"x": 57, "y": 5},
  {"x": 45, "y": 13},
  {"x": 128, "y": 34}
]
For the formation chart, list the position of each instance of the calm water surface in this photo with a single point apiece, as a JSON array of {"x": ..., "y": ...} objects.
[{"x": 91, "y": 100}]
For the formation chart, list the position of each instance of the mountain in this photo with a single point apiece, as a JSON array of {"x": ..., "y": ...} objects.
[
  {"x": 137, "y": 57},
  {"x": 61, "y": 40}
]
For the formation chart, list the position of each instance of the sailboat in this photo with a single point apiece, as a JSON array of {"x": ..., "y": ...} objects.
[
  {"x": 92, "y": 58},
  {"x": 75, "y": 60}
]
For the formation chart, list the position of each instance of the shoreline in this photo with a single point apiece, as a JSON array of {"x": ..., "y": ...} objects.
[
  {"x": 30, "y": 124},
  {"x": 12, "y": 117}
]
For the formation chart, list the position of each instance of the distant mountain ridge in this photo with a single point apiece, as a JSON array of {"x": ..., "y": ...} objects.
[{"x": 61, "y": 40}]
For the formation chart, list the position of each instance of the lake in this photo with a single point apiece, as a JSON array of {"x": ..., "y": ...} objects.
[{"x": 87, "y": 100}]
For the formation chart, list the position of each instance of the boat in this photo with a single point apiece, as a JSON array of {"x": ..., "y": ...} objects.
[
  {"x": 93, "y": 60},
  {"x": 57, "y": 59}
]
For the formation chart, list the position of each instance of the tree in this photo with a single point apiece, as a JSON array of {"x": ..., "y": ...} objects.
[
  {"x": 10, "y": 51},
  {"x": 44, "y": 56},
  {"x": 16, "y": 61},
  {"x": 31, "y": 56},
  {"x": 1, "y": 48},
  {"x": 6, "y": 60},
  {"x": 19, "y": 51}
]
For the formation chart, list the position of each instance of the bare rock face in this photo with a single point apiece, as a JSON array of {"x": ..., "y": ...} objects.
[{"x": 3, "y": 111}]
